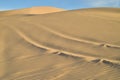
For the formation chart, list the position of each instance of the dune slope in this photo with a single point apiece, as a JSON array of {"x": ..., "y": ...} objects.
[{"x": 67, "y": 45}]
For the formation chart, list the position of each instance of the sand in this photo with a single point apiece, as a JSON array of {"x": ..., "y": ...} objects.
[
  {"x": 30, "y": 11},
  {"x": 62, "y": 45}
]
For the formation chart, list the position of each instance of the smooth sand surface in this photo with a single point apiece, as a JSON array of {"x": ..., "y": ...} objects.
[{"x": 68, "y": 45}]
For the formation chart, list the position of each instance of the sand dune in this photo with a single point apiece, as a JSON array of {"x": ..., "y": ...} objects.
[
  {"x": 33, "y": 10},
  {"x": 65, "y": 45}
]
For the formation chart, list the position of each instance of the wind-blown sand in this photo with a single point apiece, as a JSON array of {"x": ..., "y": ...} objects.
[{"x": 65, "y": 45}]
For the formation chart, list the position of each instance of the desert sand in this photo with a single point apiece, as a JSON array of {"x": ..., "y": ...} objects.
[
  {"x": 30, "y": 11},
  {"x": 45, "y": 43}
]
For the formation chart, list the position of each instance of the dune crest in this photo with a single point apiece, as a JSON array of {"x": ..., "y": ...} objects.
[
  {"x": 44, "y": 10},
  {"x": 32, "y": 10}
]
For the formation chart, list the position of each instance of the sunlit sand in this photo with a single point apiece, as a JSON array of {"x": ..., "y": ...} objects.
[{"x": 46, "y": 43}]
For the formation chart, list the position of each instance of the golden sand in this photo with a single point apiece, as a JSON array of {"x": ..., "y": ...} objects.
[{"x": 53, "y": 44}]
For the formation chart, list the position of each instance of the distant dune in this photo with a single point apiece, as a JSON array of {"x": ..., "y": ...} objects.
[
  {"x": 33, "y": 10},
  {"x": 46, "y": 43}
]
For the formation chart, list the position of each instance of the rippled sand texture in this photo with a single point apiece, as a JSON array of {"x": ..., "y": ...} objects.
[{"x": 68, "y": 45}]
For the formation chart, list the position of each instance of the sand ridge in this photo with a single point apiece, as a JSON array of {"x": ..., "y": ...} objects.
[{"x": 32, "y": 10}]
